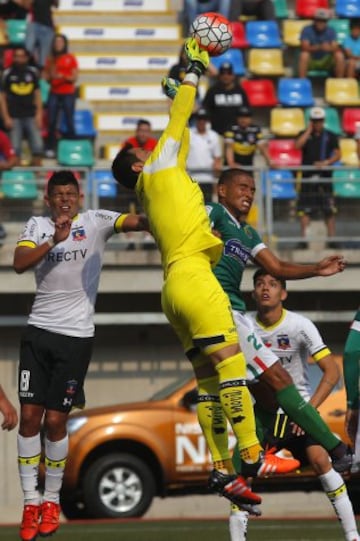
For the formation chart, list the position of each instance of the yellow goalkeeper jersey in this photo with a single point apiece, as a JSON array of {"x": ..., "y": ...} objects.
[{"x": 172, "y": 200}]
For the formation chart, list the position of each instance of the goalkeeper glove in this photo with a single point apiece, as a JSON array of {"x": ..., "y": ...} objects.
[
  {"x": 198, "y": 59},
  {"x": 170, "y": 87}
]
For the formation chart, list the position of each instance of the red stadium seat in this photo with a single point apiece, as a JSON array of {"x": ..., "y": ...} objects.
[
  {"x": 260, "y": 92},
  {"x": 239, "y": 40},
  {"x": 307, "y": 8},
  {"x": 282, "y": 152},
  {"x": 350, "y": 120}
]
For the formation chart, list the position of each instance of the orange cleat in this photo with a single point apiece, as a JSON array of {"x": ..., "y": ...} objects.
[
  {"x": 233, "y": 487},
  {"x": 50, "y": 518},
  {"x": 30, "y": 522},
  {"x": 272, "y": 464}
]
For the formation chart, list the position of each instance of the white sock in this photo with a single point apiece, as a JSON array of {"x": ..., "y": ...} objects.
[
  {"x": 334, "y": 486},
  {"x": 29, "y": 450},
  {"x": 55, "y": 460},
  {"x": 238, "y": 524}
]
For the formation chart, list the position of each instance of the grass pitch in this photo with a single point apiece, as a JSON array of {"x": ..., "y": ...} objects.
[{"x": 189, "y": 530}]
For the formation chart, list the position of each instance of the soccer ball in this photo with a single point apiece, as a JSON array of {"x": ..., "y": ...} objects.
[{"x": 213, "y": 33}]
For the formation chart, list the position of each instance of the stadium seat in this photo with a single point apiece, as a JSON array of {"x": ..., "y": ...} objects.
[
  {"x": 281, "y": 9},
  {"x": 341, "y": 27},
  {"x": 283, "y": 152},
  {"x": 348, "y": 151},
  {"x": 350, "y": 120},
  {"x": 234, "y": 56},
  {"x": 332, "y": 119},
  {"x": 44, "y": 90},
  {"x": 19, "y": 184},
  {"x": 287, "y": 122},
  {"x": 282, "y": 184},
  {"x": 75, "y": 152},
  {"x": 239, "y": 38},
  {"x": 307, "y": 8},
  {"x": 263, "y": 34},
  {"x": 346, "y": 183},
  {"x": 260, "y": 92},
  {"x": 8, "y": 55},
  {"x": 266, "y": 62},
  {"x": 84, "y": 124},
  {"x": 16, "y": 30},
  {"x": 104, "y": 182},
  {"x": 292, "y": 30},
  {"x": 347, "y": 8},
  {"x": 342, "y": 91},
  {"x": 294, "y": 92}
]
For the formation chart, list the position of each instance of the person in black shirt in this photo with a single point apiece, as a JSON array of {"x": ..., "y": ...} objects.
[
  {"x": 21, "y": 106},
  {"x": 40, "y": 29},
  {"x": 223, "y": 99},
  {"x": 243, "y": 139},
  {"x": 320, "y": 147}
]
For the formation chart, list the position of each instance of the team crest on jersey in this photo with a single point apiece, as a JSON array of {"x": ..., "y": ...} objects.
[
  {"x": 79, "y": 233},
  {"x": 283, "y": 341},
  {"x": 71, "y": 387}
]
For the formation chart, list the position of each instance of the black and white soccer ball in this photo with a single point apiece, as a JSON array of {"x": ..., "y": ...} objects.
[{"x": 213, "y": 33}]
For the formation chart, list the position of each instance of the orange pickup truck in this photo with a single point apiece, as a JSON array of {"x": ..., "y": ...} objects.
[{"x": 122, "y": 456}]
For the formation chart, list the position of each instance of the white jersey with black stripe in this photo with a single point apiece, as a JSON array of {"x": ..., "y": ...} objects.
[{"x": 67, "y": 278}]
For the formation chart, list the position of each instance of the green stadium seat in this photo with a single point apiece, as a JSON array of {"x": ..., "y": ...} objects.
[
  {"x": 281, "y": 9},
  {"x": 77, "y": 152},
  {"x": 341, "y": 27},
  {"x": 16, "y": 30},
  {"x": 347, "y": 183},
  {"x": 19, "y": 184},
  {"x": 332, "y": 119}
]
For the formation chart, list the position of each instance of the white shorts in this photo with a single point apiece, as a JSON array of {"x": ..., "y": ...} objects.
[{"x": 258, "y": 357}]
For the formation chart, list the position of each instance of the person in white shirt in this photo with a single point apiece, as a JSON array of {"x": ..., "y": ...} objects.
[
  {"x": 205, "y": 156},
  {"x": 65, "y": 250}
]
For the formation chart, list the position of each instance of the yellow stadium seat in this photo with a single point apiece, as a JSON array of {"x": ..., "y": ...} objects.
[
  {"x": 348, "y": 151},
  {"x": 342, "y": 91},
  {"x": 287, "y": 122},
  {"x": 292, "y": 29},
  {"x": 266, "y": 62}
]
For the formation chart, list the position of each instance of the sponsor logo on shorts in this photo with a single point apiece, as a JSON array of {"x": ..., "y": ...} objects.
[
  {"x": 71, "y": 387},
  {"x": 67, "y": 401},
  {"x": 26, "y": 394}
]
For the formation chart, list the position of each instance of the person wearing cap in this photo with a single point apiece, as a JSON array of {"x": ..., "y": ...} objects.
[
  {"x": 320, "y": 148},
  {"x": 205, "y": 157},
  {"x": 223, "y": 99},
  {"x": 319, "y": 48},
  {"x": 243, "y": 139}
]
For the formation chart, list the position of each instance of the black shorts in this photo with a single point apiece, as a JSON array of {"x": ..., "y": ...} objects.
[
  {"x": 316, "y": 198},
  {"x": 52, "y": 369}
]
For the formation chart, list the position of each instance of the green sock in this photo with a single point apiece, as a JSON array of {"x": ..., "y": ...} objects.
[{"x": 306, "y": 416}]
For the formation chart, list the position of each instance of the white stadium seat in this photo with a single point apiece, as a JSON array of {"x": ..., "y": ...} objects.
[
  {"x": 116, "y": 122},
  {"x": 126, "y": 92},
  {"x": 113, "y": 6},
  {"x": 128, "y": 62},
  {"x": 117, "y": 32}
]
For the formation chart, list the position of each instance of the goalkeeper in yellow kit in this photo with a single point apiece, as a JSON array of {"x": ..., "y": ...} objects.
[{"x": 192, "y": 299}]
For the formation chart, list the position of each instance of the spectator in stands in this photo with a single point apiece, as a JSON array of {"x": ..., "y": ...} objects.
[
  {"x": 143, "y": 138},
  {"x": 243, "y": 139},
  {"x": 40, "y": 30},
  {"x": 8, "y": 160},
  {"x": 223, "y": 99},
  {"x": 61, "y": 71},
  {"x": 12, "y": 9},
  {"x": 263, "y": 10},
  {"x": 351, "y": 47},
  {"x": 319, "y": 48},
  {"x": 205, "y": 153},
  {"x": 320, "y": 148},
  {"x": 21, "y": 105},
  {"x": 192, "y": 8}
]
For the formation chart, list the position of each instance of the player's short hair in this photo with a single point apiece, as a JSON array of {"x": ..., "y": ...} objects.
[
  {"x": 228, "y": 175},
  {"x": 62, "y": 178},
  {"x": 122, "y": 168},
  {"x": 264, "y": 272}
]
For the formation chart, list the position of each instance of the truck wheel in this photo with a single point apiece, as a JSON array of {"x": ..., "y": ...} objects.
[{"x": 118, "y": 486}]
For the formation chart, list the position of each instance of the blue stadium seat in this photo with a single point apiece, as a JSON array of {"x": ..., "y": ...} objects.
[
  {"x": 282, "y": 184},
  {"x": 263, "y": 34},
  {"x": 84, "y": 124},
  {"x": 106, "y": 185},
  {"x": 295, "y": 92},
  {"x": 347, "y": 8},
  {"x": 234, "y": 56}
]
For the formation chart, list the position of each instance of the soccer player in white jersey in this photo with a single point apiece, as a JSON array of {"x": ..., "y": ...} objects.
[
  {"x": 294, "y": 338},
  {"x": 65, "y": 250}
]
